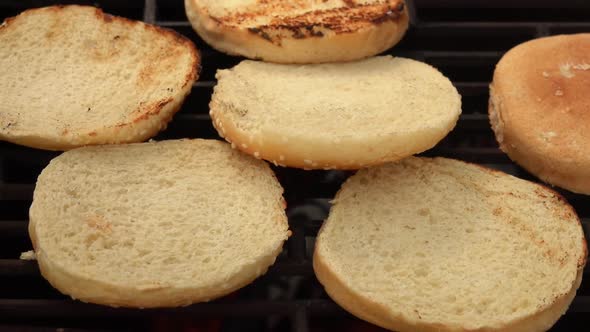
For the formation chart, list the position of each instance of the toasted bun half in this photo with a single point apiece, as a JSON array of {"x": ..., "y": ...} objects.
[
  {"x": 73, "y": 76},
  {"x": 299, "y": 31},
  {"x": 326, "y": 116},
  {"x": 156, "y": 224},
  {"x": 441, "y": 245},
  {"x": 538, "y": 108}
]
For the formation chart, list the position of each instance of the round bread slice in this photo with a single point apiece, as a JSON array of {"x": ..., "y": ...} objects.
[
  {"x": 74, "y": 76},
  {"x": 156, "y": 224},
  {"x": 343, "y": 116},
  {"x": 441, "y": 245},
  {"x": 299, "y": 31},
  {"x": 539, "y": 109}
]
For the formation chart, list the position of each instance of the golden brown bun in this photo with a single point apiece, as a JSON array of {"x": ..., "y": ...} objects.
[
  {"x": 539, "y": 109},
  {"x": 74, "y": 75},
  {"x": 299, "y": 31}
]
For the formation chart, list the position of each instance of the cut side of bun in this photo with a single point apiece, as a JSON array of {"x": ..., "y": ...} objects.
[
  {"x": 334, "y": 116},
  {"x": 74, "y": 76},
  {"x": 299, "y": 31},
  {"x": 539, "y": 109},
  {"x": 156, "y": 224},
  {"x": 442, "y": 245}
]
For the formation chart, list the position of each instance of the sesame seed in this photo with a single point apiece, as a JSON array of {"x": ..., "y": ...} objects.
[
  {"x": 545, "y": 74},
  {"x": 257, "y": 154},
  {"x": 582, "y": 66},
  {"x": 559, "y": 93},
  {"x": 281, "y": 157},
  {"x": 274, "y": 162},
  {"x": 565, "y": 70},
  {"x": 307, "y": 161},
  {"x": 244, "y": 145}
]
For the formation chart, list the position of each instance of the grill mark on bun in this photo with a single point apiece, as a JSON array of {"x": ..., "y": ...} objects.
[{"x": 315, "y": 23}]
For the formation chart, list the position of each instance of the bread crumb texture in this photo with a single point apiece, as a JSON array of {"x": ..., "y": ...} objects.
[
  {"x": 343, "y": 115},
  {"x": 73, "y": 75},
  {"x": 156, "y": 224},
  {"x": 441, "y": 245},
  {"x": 300, "y": 31}
]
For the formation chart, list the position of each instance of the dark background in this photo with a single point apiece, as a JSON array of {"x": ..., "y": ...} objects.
[{"x": 463, "y": 38}]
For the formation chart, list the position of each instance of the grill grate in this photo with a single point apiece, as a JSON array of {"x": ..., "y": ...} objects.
[{"x": 464, "y": 39}]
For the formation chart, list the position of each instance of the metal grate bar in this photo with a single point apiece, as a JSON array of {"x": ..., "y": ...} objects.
[
  {"x": 502, "y": 25},
  {"x": 502, "y": 4},
  {"x": 21, "y": 308},
  {"x": 16, "y": 267},
  {"x": 300, "y": 319},
  {"x": 149, "y": 11}
]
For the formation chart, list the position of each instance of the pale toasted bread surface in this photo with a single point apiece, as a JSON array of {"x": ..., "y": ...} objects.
[
  {"x": 344, "y": 116},
  {"x": 156, "y": 224},
  {"x": 442, "y": 245}
]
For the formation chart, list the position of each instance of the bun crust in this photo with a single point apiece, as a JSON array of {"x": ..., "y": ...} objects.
[
  {"x": 538, "y": 109},
  {"x": 300, "y": 31}
]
